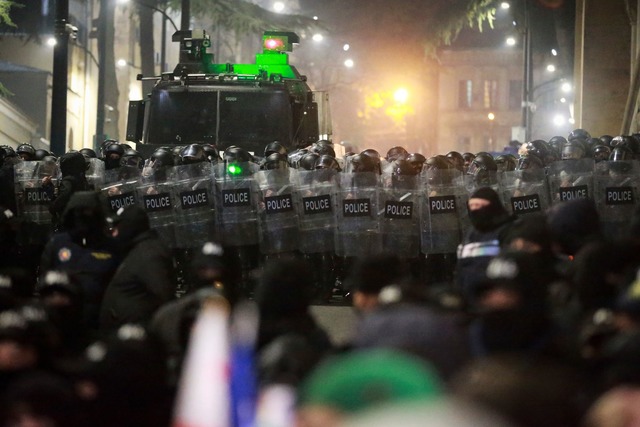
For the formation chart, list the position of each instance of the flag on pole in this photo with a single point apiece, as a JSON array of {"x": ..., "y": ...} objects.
[
  {"x": 244, "y": 332},
  {"x": 203, "y": 392}
]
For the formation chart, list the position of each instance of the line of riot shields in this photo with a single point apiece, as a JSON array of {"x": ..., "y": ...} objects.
[
  {"x": 353, "y": 214},
  {"x": 346, "y": 214}
]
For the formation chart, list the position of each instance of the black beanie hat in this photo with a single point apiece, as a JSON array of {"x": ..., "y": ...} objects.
[{"x": 486, "y": 193}]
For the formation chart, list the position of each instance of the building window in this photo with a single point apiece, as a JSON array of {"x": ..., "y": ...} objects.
[
  {"x": 465, "y": 94},
  {"x": 515, "y": 94},
  {"x": 490, "y": 94}
]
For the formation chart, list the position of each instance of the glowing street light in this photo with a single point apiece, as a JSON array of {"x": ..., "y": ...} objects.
[
  {"x": 401, "y": 95},
  {"x": 121, "y": 62},
  {"x": 51, "y": 41},
  {"x": 559, "y": 120},
  {"x": 278, "y": 6},
  {"x": 511, "y": 41},
  {"x": 491, "y": 116},
  {"x": 317, "y": 37},
  {"x": 554, "y": 52},
  {"x": 349, "y": 63},
  {"x": 346, "y": 47},
  {"x": 505, "y": 5},
  {"x": 551, "y": 68},
  {"x": 566, "y": 87}
]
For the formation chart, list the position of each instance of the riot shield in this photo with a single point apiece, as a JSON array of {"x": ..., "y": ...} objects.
[
  {"x": 95, "y": 173},
  {"x": 153, "y": 194},
  {"x": 570, "y": 180},
  {"x": 482, "y": 179},
  {"x": 277, "y": 217},
  {"x": 616, "y": 195},
  {"x": 443, "y": 205},
  {"x": 119, "y": 188},
  {"x": 358, "y": 228},
  {"x": 35, "y": 182},
  {"x": 193, "y": 199},
  {"x": 236, "y": 203},
  {"x": 316, "y": 192},
  {"x": 399, "y": 216},
  {"x": 524, "y": 191}
]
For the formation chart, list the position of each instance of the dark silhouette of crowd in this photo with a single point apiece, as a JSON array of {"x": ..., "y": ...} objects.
[{"x": 508, "y": 300}]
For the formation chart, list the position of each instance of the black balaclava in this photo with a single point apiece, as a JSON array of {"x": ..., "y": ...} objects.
[{"x": 491, "y": 216}]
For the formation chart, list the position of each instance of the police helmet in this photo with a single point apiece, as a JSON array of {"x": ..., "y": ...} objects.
[
  {"x": 192, "y": 153},
  {"x": 468, "y": 158},
  {"x": 9, "y": 151},
  {"x": 417, "y": 161},
  {"x": 627, "y": 141},
  {"x": 105, "y": 144},
  {"x": 371, "y": 153},
  {"x": 323, "y": 147},
  {"x": 308, "y": 161},
  {"x": 530, "y": 162},
  {"x": 326, "y": 161},
  {"x": 506, "y": 162},
  {"x": 601, "y": 152},
  {"x": 73, "y": 163},
  {"x": 41, "y": 154},
  {"x": 395, "y": 153},
  {"x": 26, "y": 151},
  {"x": 556, "y": 143},
  {"x": 578, "y": 134},
  {"x": 606, "y": 140},
  {"x": 621, "y": 153},
  {"x": 573, "y": 149},
  {"x": 589, "y": 144},
  {"x": 211, "y": 153},
  {"x": 541, "y": 149},
  {"x": 132, "y": 158},
  {"x": 438, "y": 162},
  {"x": 482, "y": 162},
  {"x": 234, "y": 154},
  {"x": 620, "y": 159},
  {"x": 88, "y": 153},
  {"x": 274, "y": 147},
  {"x": 275, "y": 161},
  {"x": 456, "y": 159},
  {"x": 162, "y": 157},
  {"x": 364, "y": 163},
  {"x": 375, "y": 157},
  {"x": 113, "y": 149}
]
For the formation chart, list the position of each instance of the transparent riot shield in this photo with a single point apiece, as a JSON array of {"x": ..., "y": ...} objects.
[
  {"x": 616, "y": 195},
  {"x": 119, "y": 188},
  {"x": 399, "y": 215},
  {"x": 95, "y": 173},
  {"x": 153, "y": 194},
  {"x": 481, "y": 179},
  {"x": 570, "y": 180},
  {"x": 358, "y": 227},
  {"x": 525, "y": 191},
  {"x": 443, "y": 205},
  {"x": 193, "y": 198},
  {"x": 277, "y": 216},
  {"x": 316, "y": 192},
  {"x": 35, "y": 182},
  {"x": 236, "y": 203}
]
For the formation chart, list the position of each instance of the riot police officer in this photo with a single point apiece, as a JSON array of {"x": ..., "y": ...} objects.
[{"x": 26, "y": 152}]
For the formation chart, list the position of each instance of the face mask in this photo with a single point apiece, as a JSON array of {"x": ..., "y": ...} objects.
[{"x": 484, "y": 219}]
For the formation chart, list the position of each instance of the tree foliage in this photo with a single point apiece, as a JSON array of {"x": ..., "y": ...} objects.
[
  {"x": 5, "y": 9},
  {"x": 244, "y": 17}
]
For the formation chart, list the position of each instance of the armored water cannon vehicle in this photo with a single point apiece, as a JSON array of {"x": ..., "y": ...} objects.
[{"x": 247, "y": 105}]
